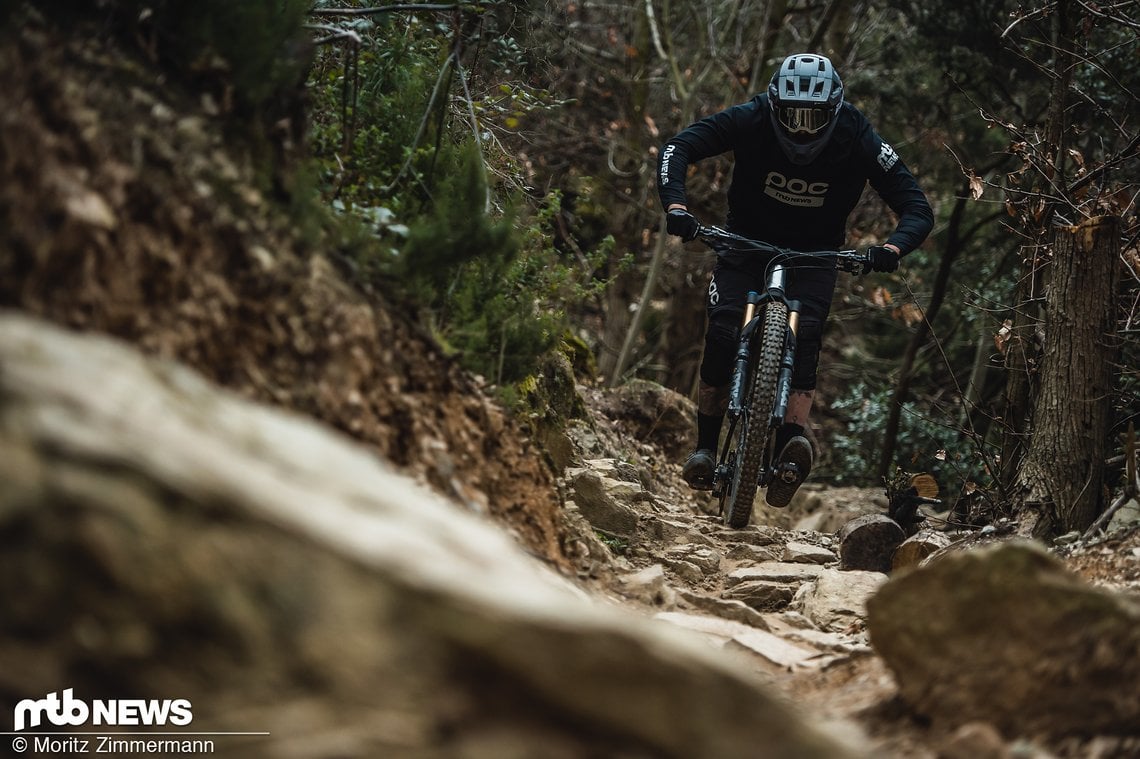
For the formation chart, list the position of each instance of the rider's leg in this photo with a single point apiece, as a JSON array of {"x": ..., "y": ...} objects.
[
  {"x": 796, "y": 417},
  {"x": 712, "y": 397},
  {"x": 814, "y": 292},
  {"x": 793, "y": 450},
  {"x": 808, "y": 340},
  {"x": 814, "y": 288},
  {"x": 799, "y": 407},
  {"x": 712, "y": 402}
]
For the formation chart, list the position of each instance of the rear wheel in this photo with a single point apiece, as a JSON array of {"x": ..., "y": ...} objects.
[{"x": 752, "y": 431}]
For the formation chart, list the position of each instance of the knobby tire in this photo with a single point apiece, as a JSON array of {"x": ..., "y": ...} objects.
[{"x": 752, "y": 436}]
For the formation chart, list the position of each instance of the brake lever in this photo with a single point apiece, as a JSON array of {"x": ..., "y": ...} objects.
[{"x": 853, "y": 262}]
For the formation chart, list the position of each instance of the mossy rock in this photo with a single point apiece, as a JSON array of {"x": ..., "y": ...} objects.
[
  {"x": 582, "y": 360},
  {"x": 549, "y": 400}
]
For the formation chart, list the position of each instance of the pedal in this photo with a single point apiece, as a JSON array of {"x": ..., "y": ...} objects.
[
  {"x": 788, "y": 472},
  {"x": 701, "y": 483},
  {"x": 721, "y": 478}
]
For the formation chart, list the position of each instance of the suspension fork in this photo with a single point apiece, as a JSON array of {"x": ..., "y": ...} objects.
[
  {"x": 777, "y": 282},
  {"x": 739, "y": 384},
  {"x": 787, "y": 363}
]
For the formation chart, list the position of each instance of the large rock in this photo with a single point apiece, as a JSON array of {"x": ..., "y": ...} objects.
[
  {"x": 722, "y": 632},
  {"x": 836, "y": 601},
  {"x": 762, "y": 595},
  {"x": 773, "y": 571},
  {"x": 597, "y": 497},
  {"x": 161, "y": 539},
  {"x": 1006, "y": 635}
]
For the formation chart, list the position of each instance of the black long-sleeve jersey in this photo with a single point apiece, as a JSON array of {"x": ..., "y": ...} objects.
[{"x": 799, "y": 207}]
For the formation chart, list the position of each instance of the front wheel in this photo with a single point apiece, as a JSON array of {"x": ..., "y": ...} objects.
[{"x": 748, "y": 449}]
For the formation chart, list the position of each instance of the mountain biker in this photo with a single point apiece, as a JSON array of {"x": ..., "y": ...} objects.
[{"x": 802, "y": 157}]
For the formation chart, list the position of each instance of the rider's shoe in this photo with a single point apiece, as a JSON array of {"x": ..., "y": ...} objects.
[
  {"x": 784, "y": 484},
  {"x": 699, "y": 469}
]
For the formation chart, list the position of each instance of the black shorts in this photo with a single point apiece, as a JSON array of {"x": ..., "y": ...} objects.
[{"x": 735, "y": 274}]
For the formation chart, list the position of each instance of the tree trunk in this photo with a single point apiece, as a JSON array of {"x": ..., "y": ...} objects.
[
  {"x": 976, "y": 417},
  {"x": 1063, "y": 467},
  {"x": 1023, "y": 347},
  {"x": 1022, "y": 354}
]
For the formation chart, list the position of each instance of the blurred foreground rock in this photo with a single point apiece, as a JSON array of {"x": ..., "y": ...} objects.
[
  {"x": 162, "y": 539},
  {"x": 1007, "y": 635}
]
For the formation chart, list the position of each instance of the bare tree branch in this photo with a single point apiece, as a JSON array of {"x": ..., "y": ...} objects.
[
  {"x": 1102, "y": 12},
  {"x": 399, "y": 7},
  {"x": 333, "y": 34}
]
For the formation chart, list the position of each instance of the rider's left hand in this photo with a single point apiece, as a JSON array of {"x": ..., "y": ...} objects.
[{"x": 883, "y": 258}]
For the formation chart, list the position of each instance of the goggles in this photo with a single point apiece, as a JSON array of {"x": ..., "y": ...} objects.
[{"x": 803, "y": 120}]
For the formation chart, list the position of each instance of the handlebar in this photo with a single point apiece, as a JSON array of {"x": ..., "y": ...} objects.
[{"x": 852, "y": 261}]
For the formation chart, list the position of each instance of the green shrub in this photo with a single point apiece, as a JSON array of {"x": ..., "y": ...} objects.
[
  {"x": 498, "y": 293},
  {"x": 397, "y": 157},
  {"x": 925, "y": 443},
  {"x": 457, "y": 229}
]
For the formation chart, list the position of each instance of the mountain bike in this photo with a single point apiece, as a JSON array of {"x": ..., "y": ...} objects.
[{"x": 762, "y": 374}]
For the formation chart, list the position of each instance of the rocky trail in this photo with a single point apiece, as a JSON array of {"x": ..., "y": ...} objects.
[
  {"x": 777, "y": 596},
  {"x": 165, "y": 536}
]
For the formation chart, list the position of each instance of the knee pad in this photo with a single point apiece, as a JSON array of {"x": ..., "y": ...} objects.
[
  {"x": 720, "y": 347},
  {"x": 809, "y": 338}
]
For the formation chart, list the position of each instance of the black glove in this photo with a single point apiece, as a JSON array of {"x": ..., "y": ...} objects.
[
  {"x": 681, "y": 223},
  {"x": 882, "y": 259}
]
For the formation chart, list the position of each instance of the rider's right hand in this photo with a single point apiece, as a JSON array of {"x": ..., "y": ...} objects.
[{"x": 681, "y": 223}]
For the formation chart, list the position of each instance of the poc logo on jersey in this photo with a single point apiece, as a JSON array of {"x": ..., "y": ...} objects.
[
  {"x": 887, "y": 157},
  {"x": 795, "y": 192}
]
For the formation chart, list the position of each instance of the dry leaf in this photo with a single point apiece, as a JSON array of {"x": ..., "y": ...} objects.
[
  {"x": 908, "y": 313},
  {"x": 880, "y": 297},
  {"x": 1077, "y": 158},
  {"x": 976, "y": 186},
  {"x": 1003, "y": 336},
  {"x": 1131, "y": 257}
]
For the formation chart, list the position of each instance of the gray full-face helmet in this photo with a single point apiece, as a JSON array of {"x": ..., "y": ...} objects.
[{"x": 806, "y": 94}]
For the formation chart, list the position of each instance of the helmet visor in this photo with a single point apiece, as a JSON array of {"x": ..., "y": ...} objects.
[{"x": 803, "y": 121}]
